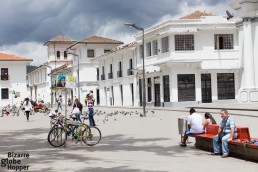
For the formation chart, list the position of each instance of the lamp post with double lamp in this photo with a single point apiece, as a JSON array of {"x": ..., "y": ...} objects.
[
  {"x": 78, "y": 74},
  {"x": 143, "y": 66}
]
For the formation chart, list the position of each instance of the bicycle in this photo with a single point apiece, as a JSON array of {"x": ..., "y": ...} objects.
[
  {"x": 8, "y": 110},
  {"x": 62, "y": 127}
]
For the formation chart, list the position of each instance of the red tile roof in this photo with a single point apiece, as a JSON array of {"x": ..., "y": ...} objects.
[
  {"x": 196, "y": 15},
  {"x": 100, "y": 40},
  {"x": 60, "y": 39},
  {"x": 8, "y": 57}
]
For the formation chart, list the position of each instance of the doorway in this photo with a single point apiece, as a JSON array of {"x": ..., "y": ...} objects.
[
  {"x": 157, "y": 91},
  {"x": 206, "y": 88}
]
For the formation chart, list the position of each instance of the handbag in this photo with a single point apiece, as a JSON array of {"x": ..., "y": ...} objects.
[{"x": 76, "y": 110}]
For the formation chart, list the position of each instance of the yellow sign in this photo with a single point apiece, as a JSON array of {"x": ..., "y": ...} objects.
[{"x": 70, "y": 81}]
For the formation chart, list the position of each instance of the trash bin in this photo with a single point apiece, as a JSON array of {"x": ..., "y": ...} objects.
[{"x": 182, "y": 126}]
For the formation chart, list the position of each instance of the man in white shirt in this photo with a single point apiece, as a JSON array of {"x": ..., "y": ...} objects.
[{"x": 195, "y": 125}]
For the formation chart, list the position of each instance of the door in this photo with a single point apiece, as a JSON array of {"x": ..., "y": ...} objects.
[
  {"x": 157, "y": 91},
  {"x": 98, "y": 97},
  {"x": 206, "y": 88}
]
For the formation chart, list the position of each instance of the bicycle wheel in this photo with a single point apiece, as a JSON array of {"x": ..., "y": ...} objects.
[
  {"x": 91, "y": 136},
  {"x": 57, "y": 136},
  {"x": 15, "y": 110}
]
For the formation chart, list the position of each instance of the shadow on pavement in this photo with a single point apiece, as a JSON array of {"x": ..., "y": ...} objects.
[{"x": 44, "y": 157}]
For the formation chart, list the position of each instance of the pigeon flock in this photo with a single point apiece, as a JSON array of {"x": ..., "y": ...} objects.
[{"x": 107, "y": 116}]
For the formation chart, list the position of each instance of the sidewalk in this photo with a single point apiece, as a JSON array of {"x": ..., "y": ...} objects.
[{"x": 129, "y": 143}]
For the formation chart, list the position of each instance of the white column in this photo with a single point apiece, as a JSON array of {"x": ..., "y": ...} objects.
[
  {"x": 248, "y": 54},
  {"x": 161, "y": 90},
  {"x": 256, "y": 55}
]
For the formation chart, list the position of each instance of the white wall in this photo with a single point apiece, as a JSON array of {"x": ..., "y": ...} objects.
[{"x": 17, "y": 81}]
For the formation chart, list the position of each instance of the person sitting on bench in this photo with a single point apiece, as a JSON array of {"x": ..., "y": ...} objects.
[{"x": 195, "y": 125}]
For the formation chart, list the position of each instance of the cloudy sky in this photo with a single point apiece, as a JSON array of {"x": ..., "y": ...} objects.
[{"x": 25, "y": 25}]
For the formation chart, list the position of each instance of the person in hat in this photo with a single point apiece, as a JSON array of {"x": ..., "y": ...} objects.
[{"x": 195, "y": 125}]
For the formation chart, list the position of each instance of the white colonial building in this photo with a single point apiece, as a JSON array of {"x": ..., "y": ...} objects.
[
  {"x": 13, "y": 79},
  {"x": 118, "y": 84},
  {"x": 68, "y": 57},
  {"x": 83, "y": 51},
  {"x": 39, "y": 79},
  {"x": 190, "y": 60}
]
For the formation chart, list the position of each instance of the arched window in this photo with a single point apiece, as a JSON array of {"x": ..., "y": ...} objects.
[{"x": 65, "y": 55}]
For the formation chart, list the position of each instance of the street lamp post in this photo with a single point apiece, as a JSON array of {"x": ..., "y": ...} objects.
[
  {"x": 78, "y": 74},
  {"x": 143, "y": 66}
]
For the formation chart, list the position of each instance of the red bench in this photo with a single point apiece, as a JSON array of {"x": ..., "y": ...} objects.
[
  {"x": 239, "y": 147},
  {"x": 236, "y": 146},
  {"x": 204, "y": 141}
]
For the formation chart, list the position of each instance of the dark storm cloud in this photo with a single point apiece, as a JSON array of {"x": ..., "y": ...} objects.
[{"x": 40, "y": 20}]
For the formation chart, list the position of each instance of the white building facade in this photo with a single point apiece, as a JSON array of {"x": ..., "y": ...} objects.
[
  {"x": 83, "y": 52},
  {"x": 39, "y": 79},
  {"x": 191, "y": 60},
  {"x": 13, "y": 83},
  {"x": 118, "y": 84},
  {"x": 69, "y": 57}
]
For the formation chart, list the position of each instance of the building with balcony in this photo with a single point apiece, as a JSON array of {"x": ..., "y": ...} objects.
[
  {"x": 84, "y": 51},
  {"x": 190, "y": 60},
  {"x": 39, "y": 79},
  {"x": 187, "y": 61},
  {"x": 119, "y": 87}
]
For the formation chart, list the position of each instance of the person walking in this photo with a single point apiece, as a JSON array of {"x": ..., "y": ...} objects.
[
  {"x": 77, "y": 104},
  {"x": 90, "y": 109},
  {"x": 59, "y": 102},
  {"x": 227, "y": 132},
  {"x": 195, "y": 125},
  {"x": 27, "y": 106}
]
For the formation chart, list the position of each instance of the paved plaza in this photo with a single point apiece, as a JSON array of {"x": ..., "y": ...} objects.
[{"x": 129, "y": 143}]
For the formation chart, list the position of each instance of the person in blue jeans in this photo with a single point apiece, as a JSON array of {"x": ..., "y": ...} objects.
[
  {"x": 228, "y": 127},
  {"x": 90, "y": 109}
]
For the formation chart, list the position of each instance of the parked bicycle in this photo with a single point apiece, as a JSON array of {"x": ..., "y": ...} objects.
[
  {"x": 63, "y": 127},
  {"x": 7, "y": 110}
]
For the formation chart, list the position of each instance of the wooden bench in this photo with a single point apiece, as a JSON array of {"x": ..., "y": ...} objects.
[{"x": 236, "y": 146}]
